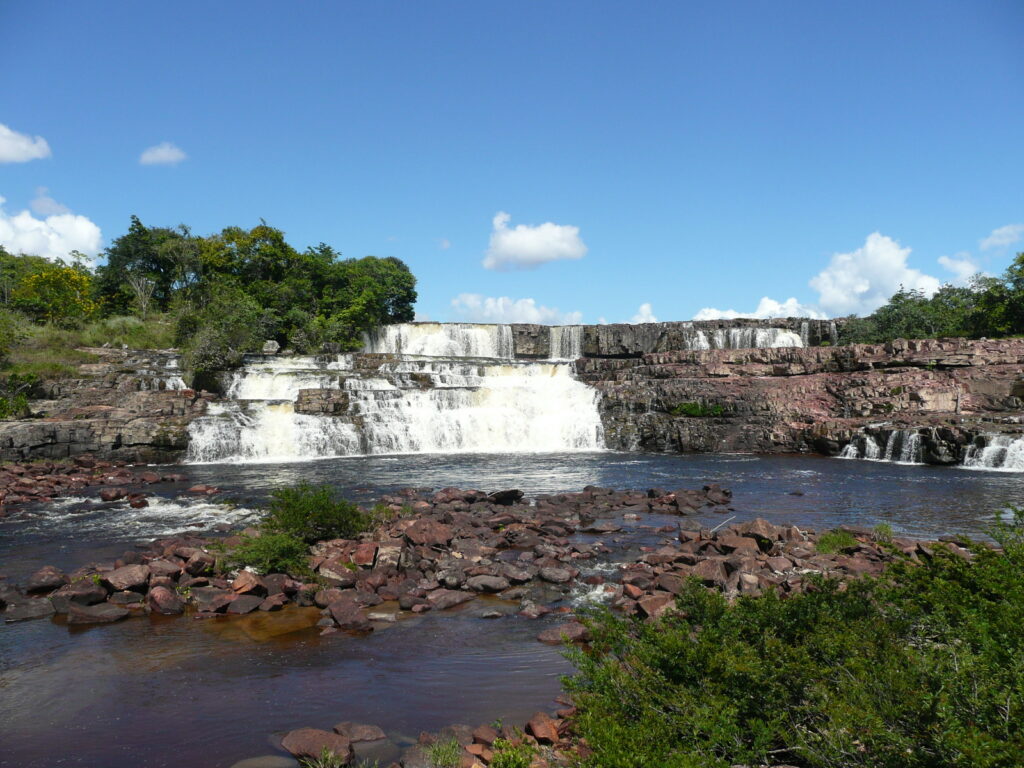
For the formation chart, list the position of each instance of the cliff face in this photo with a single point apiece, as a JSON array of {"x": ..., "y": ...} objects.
[
  {"x": 812, "y": 399},
  {"x": 128, "y": 405}
]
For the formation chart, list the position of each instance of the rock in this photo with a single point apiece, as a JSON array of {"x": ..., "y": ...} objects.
[
  {"x": 274, "y": 602},
  {"x": 102, "y": 613},
  {"x": 126, "y": 598},
  {"x": 571, "y": 632},
  {"x": 270, "y": 347},
  {"x": 134, "y": 577},
  {"x": 543, "y": 728},
  {"x": 356, "y": 732},
  {"x": 139, "y": 502},
  {"x": 310, "y": 742},
  {"x": 556, "y": 575},
  {"x": 244, "y": 604},
  {"x": 200, "y": 563},
  {"x": 441, "y": 599},
  {"x": 84, "y": 591},
  {"x": 485, "y": 735},
  {"x": 349, "y": 616},
  {"x": 505, "y": 498},
  {"x": 113, "y": 494},
  {"x": 248, "y": 583},
  {"x": 486, "y": 583},
  {"x": 653, "y": 606},
  {"x": 710, "y": 571},
  {"x": 428, "y": 533},
  {"x": 40, "y": 608},
  {"x": 46, "y": 579},
  {"x": 337, "y": 569},
  {"x": 212, "y": 599},
  {"x": 164, "y": 601}
]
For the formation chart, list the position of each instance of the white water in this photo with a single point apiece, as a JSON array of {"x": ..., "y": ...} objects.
[
  {"x": 999, "y": 452},
  {"x": 452, "y": 389},
  {"x": 903, "y": 446},
  {"x": 566, "y": 342}
]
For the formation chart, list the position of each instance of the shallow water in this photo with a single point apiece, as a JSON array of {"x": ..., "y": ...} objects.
[{"x": 161, "y": 692}]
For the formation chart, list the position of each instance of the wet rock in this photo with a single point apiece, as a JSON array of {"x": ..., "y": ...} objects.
[
  {"x": 505, "y": 498},
  {"x": 572, "y": 632},
  {"x": 113, "y": 494},
  {"x": 248, "y": 583},
  {"x": 84, "y": 591},
  {"x": 46, "y": 579},
  {"x": 243, "y": 604},
  {"x": 126, "y": 598},
  {"x": 165, "y": 601},
  {"x": 133, "y": 577},
  {"x": 40, "y": 608},
  {"x": 556, "y": 575},
  {"x": 310, "y": 742},
  {"x": 200, "y": 563},
  {"x": 358, "y": 732},
  {"x": 349, "y": 616},
  {"x": 211, "y": 599},
  {"x": 103, "y": 613},
  {"x": 440, "y": 599},
  {"x": 486, "y": 583},
  {"x": 274, "y": 602}
]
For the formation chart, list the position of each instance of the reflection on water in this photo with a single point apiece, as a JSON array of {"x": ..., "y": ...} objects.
[{"x": 173, "y": 691}]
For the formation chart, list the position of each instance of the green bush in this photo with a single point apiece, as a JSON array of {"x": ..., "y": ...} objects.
[
  {"x": 921, "y": 668},
  {"x": 312, "y": 513},
  {"x": 272, "y": 553},
  {"x": 835, "y": 541},
  {"x": 697, "y": 410},
  {"x": 509, "y": 755},
  {"x": 326, "y": 759}
]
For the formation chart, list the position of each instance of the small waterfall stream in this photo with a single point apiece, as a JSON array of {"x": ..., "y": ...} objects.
[
  {"x": 1000, "y": 452},
  {"x": 902, "y": 446}
]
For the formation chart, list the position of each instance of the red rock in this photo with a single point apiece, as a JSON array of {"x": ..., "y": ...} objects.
[
  {"x": 113, "y": 494},
  {"x": 711, "y": 571},
  {"x": 248, "y": 583},
  {"x": 139, "y": 503},
  {"x": 356, "y": 732},
  {"x": 429, "y": 533},
  {"x": 310, "y": 742},
  {"x": 200, "y": 563},
  {"x": 654, "y": 606},
  {"x": 732, "y": 543},
  {"x": 165, "y": 601},
  {"x": 365, "y": 553},
  {"x": 275, "y": 602},
  {"x": 485, "y": 735},
  {"x": 102, "y": 613},
  {"x": 134, "y": 577},
  {"x": 349, "y": 616},
  {"x": 149, "y": 477},
  {"x": 243, "y": 604},
  {"x": 46, "y": 579},
  {"x": 572, "y": 632},
  {"x": 543, "y": 728},
  {"x": 441, "y": 599}
]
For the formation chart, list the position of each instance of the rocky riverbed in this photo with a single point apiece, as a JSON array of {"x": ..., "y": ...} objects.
[{"x": 454, "y": 550}]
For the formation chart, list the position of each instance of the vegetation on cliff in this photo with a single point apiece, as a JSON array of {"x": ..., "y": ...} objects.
[
  {"x": 923, "y": 666},
  {"x": 988, "y": 306},
  {"x": 217, "y": 297}
]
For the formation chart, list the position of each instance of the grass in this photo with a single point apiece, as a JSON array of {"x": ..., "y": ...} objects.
[
  {"x": 697, "y": 410},
  {"x": 835, "y": 541},
  {"x": 326, "y": 759},
  {"x": 445, "y": 754},
  {"x": 509, "y": 755},
  {"x": 272, "y": 553},
  {"x": 50, "y": 352}
]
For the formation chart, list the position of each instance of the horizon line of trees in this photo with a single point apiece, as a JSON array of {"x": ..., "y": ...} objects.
[{"x": 225, "y": 293}]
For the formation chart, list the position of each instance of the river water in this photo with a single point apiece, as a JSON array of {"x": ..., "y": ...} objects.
[{"x": 173, "y": 691}]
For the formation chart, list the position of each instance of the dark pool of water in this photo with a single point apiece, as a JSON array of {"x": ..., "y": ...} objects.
[{"x": 161, "y": 692}]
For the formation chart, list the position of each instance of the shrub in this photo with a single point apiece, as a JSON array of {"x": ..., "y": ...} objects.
[
  {"x": 272, "y": 553},
  {"x": 445, "y": 754},
  {"x": 835, "y": 541},
  {"x": 312, "y": 513},
  {"x": 326, "y": 759},
  {"x": 697, "y": 410},
  {"x": 883, "y": 532},
  {"x": 920, "y": 668},
  {"x": 509, "y": 755}
]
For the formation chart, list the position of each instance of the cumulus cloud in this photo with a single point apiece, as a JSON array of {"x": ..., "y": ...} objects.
[
  {"x": 20, "y": 148},
  {"x": 45, "y": 205},
  {"x": 1003, "y": 237},
  {"x": 526, "y": 247},
  {"x": 766, "y": 308},
  {"x": 52, "y": 237},
  {"x": 645, "y": 314},
  {"x": 963, "y": 267},
  {"x": 164, "y": 153},
  {"x": 476, "y": 308},
  {"x": 861, "y": 281}
]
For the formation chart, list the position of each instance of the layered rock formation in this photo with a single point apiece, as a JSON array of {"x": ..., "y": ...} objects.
[
  {"x": 811, "y": 399},
  {"x": 127, "y": 405}
]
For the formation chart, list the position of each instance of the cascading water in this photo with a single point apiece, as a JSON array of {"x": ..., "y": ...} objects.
[
  {"x": 996, "y": 452},
  {"x": 903, "y": 446},
  {"x": 566, "y": 342},
  {"x": 449, "y": 388}
]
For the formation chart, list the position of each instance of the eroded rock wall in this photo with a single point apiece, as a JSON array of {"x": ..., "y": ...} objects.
[{"x": 811, "y": 399}]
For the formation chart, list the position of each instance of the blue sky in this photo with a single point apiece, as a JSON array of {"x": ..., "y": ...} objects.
[{"x": 683, "y": 156}]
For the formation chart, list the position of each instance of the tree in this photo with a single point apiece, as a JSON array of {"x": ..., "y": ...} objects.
[
  {"x": 142, "y": 287},
  {"x": 141, "y": 250},
  {"x": 56, "y": 294}
]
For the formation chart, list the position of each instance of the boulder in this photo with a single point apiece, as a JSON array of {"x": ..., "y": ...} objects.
[
  {"x": 441, "y": 599},
  {"x": 349, "y": 616},
  {"x": 243, "y": 604},
  {"x": 310, "y": 742},
  {"x": 653, "y": 606},
  {"x": 133, "y": 577},
  {"x": 356, "y": 732},
  {"x": 505, "y": 498},
  {"x": 571, "y": 632},
  {"x": 248, "y": 583},
  {"x": 113, "y": 494},
  {"x": 46, "y": 579},
  {"x": 164, "y": 601},
  {"x": 555, "y": 575},
  {"x": 485, "y": 583},
  {"x": 83, "y": 591},
  {"x": 275, "y": 602},
  {"x": 543, "y": 728},
  {"x": 29, "y": 609},
  {"x": 429, "y": 533},
  {"x": 103, "y": 613}
]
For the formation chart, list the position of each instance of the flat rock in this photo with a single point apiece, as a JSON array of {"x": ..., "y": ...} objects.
[
  {"x": 46, "y": 579},
  {"x": 572, "y": 632},
  {"x": 244, "y": 604},
  {"x": 133, "y": 577},
  {"x": 448, "y": 598},
  {"x": 310, "y": 742},
  {"x": 103, "y": 613},
  {"x": 355, "y": 732},
  {"x": 30, "y": 609}
]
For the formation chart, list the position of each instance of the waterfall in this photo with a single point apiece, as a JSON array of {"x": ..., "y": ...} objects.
[
  {"x": 1000, "y": 452},
  {"x": 743, "y": 338},
  {"x": 442, "y": 340},
  {"x": 903, "y": 446},
  {"x": 566, "y": 342},
  {"x": 476, "y": 399},
  {"x": 805, "y": 334}
]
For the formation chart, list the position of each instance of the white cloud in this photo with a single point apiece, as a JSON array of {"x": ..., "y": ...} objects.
[
  {"x": 1003, "y": 237},
  {"x": 20, "y": 148},
  {"x": 526, "y": 247},
  {"x": 644, "y": 314},
  {"x": 45, "y": 205},
  {"x": 53, "y": 237},
  {"x": 444, "y": 243},
  {"x": 861, "y": 281},
  {"x": 766, "y": 308},
  {"x": 164, "y": 153},
  {"x": 421, "y": 317},
  {"x": 476, "y": 308},
  {"x": 963, "y": 267}
]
